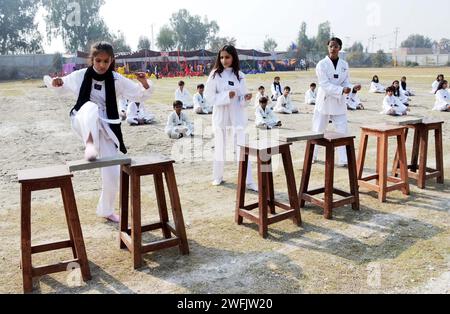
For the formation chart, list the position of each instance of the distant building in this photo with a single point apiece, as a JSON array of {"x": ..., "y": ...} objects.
[{"x": 422, "y": 56}]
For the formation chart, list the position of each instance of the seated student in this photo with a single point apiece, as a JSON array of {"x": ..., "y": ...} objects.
[
  {"x": 183, "y": 95},
  {"x": 311, "y": 95},
  {"x": 201, "y": 106},
  {"x": 265, "y": 118},
  {"x": 376, "y": 87},
  {"x": 137, "y": 115},
  {"x": 276, "y": 89},
  {"x": 353, "y": 102},
  {"x": 178, "y": 124},
  {"x": 404, "y": 87},
  {"x": 123, "y": 107},
  {"x": 399, "y": 93},
  {"x": 260, "y": 94},
  {"x": 392, "y": 105},
  {"x": 435, "y": 85},
  {"x": 442, "y": 97},
  {"x": 284, "y": 103}
]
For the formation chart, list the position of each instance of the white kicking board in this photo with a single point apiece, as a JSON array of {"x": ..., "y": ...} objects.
[
  {"x": 82, "y": 165},
  {"x": 300, "y": 136}
]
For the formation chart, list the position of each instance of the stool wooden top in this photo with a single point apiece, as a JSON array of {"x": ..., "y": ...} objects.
[
  {"x": 264, "y": 145},
  {"x": 430, "y": 120},
  {"x": 334, "y": 136},
  {"x": 300, "y": 136},
  {"x": 150, "y": 160},
  {"x": 408, "y": 120},
  {"x": 43, "y": 174},
  {"x": 383, "y": 127}
]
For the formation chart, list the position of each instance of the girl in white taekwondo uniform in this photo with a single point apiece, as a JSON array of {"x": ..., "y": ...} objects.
[
  {"x": 334, "y": 87},
  {"x": 95, "y": 117},
  {"x": 392, "y": 106},
  {"x": 376, "y": 87},
  {"x": 227, "y": 92},
  {"x": 442, "y": 97}
]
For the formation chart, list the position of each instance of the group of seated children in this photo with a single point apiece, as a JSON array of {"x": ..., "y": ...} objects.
[{"x": 198, "y": 102}]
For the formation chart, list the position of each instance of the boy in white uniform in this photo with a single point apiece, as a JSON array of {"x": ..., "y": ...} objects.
[
  {"x": 201, "y": 106},
  {"x": 183, "y": 95},
  {"x": 311, "y": 95},
  {"x": 284, "y": 103},
  {"x": 178, "y": 124},
  {"x": 137, "y": 115},
  {"x": 265, "y": 118},
  {"x": 276, "y": 89}
]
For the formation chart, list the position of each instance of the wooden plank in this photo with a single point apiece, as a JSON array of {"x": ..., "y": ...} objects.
[
  {"x": 300, "y": 137},
  {"x": 46, "y": 173},
  {"x": 403, "y": 121},
  {"x": 52, "y": 269},
  {"x": 281, "y": 217},
  {"x": 82, "y": 165},
  {"x": 160, "y": 245},
  {"x": 152, "y": 227},
  {"x": 249, "y": 216},
  {"x": 126, "y": 239},
  {"x": 343, "y": 202},
  {"x": 51, "y": 247},
  {"x": 369, "y": 186}
]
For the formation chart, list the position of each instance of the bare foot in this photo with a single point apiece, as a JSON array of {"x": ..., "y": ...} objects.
[
  {"x": 114, "y": 218},
  {"x": 90, "y": 153}
]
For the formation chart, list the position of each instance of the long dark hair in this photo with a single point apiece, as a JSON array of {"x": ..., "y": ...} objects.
[
  {"x": 439, "y": 76},
  {"x": 218, "y": 67},
  {"x": 103, "y": 47},
  {"x": 396, "y": 89},
  {"x": 441, "y": 85},
  {"x": 377, "y": 79}
]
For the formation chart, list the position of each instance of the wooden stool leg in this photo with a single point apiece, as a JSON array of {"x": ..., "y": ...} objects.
[
  {"x": 378, "y": 163},
  {"x": 415, "y": 151},
  {"x": 439, "y": 154},
  {"x": 241, "y": 188},
  {"x": 382, "y": 157},
  {"x": 136, "y": 225},
  {"x": 362, "y": 155},
  {"x": 162, "y": 205},
  {"x": 176, "y": 210},
  {"x": 329, "y": 179},
  {"x": 69, "y": 227},
  {"x": 403, "y": 162},
  {"x": 396, "y": 167},
  {"x": 292, "y": 185},
  {"x": 423, "y": 159},
  {"x": 124, "y": 205},
  {"x": 75, "y": 225},
  {"x": 307, "y": 165},
  {"x": 354, "y": 187},
  {"x": 25, "y": 201},
  {"x": 270, "y": 188},
  {"x": 262, "y": 187}
]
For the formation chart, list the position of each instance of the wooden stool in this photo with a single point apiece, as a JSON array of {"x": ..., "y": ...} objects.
[
  {"x": 330, "y": 141},
  {"x": 418, "y": 167},
  {"x": 156, "y": 166},
  {"x": 264, "y": 152},
  {"x": 47, "y": 179},
  {"x": 383, "y": 133}
]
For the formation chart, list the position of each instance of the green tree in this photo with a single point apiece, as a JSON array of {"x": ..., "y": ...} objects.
[
  {"x": 191, "y": 32},
  {"x": 78, "y": 22},
  {"x": 304, "y": 44},
  {"x": 144, "y": 43},
  {"x": 323, "y": 36},
  {"x": 217, "y": 43},
  {"x": 270, "y": 45},
  {"x": 119, "y": 43},
  {"x": 379, "y": 59},
  {"x": 18, "y": 31},
  {"x": 417, "y": 41},
  {"x": 166, "y": 39}
]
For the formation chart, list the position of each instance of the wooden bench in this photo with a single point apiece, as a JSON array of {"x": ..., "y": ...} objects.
[
  {"x": 330, "y": 141},
  {"x": 157, "y": 166},
  {"x": 45, "y": 179},
  {"x": 264, "y": 152}
]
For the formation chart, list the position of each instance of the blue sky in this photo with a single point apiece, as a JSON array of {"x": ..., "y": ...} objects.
[{"x": 251, "y": 21}]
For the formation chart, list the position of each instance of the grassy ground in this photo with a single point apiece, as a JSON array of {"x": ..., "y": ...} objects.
[{"x": 400, "y": 246}]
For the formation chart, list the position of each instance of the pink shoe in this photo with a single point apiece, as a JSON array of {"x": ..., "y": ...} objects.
[
  {"x": 114, "y": 218},
  {"x": 90, "y": 153}
]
